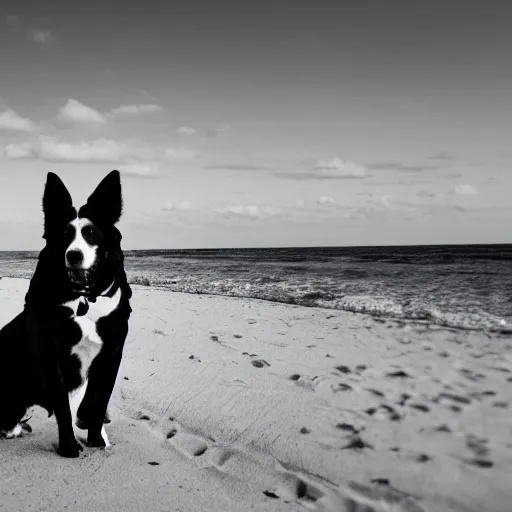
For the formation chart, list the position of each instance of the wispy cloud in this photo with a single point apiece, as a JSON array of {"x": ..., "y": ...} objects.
[
  {"x": 246, "y": 211},
  {"x": 218, "y": 130},
  {"x": 239, "y": 167},
  {"x": 100, "y": 150},
  {"x": 177, "y": 205},
  {"x": 142, "y": 170},
  {"x": 11, "y": 120},
  {"x": 41, "y": 37},
  {"x": 339, "y": 168},
  {"x": 400, "y": 167},
  {"x": 18, "y": 151},
  {"x": 333, "y": 169},
  {"x": 465, "y": 190},
  {"x": 325, "y": 200},
  {"x": 130, "y": 110},
  {"x": 76, "y": 112},
  {"x": 185, "y": 131}
]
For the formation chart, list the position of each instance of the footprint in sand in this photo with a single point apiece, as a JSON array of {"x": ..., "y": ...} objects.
[
  {"x": 259, "y": 363},
  {"x": 219, "y": 456},
  {"x": 188, "y": 444},
  {"x": 294, "y": 488},
  {"x": 453, "y": 401},
  {"x": 382, "y": 496},
  {"x": 305, "y": 381},
  {"x": 356, "y": 442},
  {"x": 171, "y": 433},
  {"x": 349, "y": 428},
  {"x": 477, "y": 445},
  {"x": 384, "y": 411}
]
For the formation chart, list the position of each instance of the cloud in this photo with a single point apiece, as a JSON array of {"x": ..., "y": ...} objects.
[
  {"x": 18, "y": 151},
  {"x": 180, "y": 154},
  {"x": 136, "y": 109},
  {"x": 238, "y": 167},
  {"x": 42, "y": 37},
  {"x": 325, "y": 200},
  {"x": 465, "y": 190},
  {"x": 336, "y": 167},
  {"x": 218, "y": 130},
  {"x": 397, "y": 166},
  {"x": 177, "y": 205},
  {"x": 11, "y": 120},
  {"x": 100, "y": 150},
  {"x": 252, "y": 212},
  {"x": 185, "y": 131},
  {"x": 140, "y": 170},
  {"x": 74, "y": 111}
]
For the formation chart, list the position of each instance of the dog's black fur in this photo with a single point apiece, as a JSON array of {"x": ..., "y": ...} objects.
[{"x": 36, "y": 363}]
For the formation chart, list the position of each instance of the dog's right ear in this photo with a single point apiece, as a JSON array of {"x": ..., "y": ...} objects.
[{"x": 57, "y": 205}]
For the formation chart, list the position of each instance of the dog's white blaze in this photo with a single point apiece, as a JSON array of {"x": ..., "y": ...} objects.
[
  {"x": 79, "y": 244},
  {"x": 89, "y": 345}
]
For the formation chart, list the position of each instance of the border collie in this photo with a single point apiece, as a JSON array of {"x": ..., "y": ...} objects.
[{"x": 63, "y": 351}]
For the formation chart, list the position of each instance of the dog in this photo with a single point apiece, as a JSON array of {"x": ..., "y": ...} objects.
[{"x": 63, "y": 351}]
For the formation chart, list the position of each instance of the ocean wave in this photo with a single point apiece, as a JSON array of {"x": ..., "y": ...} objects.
[
  {"x": 275, "y": 289},
  {"x": 403, "y": 283}
]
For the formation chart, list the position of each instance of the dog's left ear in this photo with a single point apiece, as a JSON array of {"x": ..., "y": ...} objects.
[
  {"x": 106, "y": 202},
  {"x": 57, "y": 205}
]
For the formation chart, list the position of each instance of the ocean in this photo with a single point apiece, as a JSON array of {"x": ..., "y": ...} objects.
[{"x": 462, "y": 287}]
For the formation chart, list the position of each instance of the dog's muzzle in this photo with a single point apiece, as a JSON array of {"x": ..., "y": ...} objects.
[{"x": 81, "y": 280}]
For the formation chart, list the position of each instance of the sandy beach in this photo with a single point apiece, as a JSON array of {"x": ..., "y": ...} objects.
[{"x": 229, "y": 404}]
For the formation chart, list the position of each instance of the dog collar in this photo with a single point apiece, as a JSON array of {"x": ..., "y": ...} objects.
[{"x": 83, "y": 304}]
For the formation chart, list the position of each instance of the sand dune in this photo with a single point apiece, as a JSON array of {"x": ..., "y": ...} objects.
[{"x": 235, "y": 404}]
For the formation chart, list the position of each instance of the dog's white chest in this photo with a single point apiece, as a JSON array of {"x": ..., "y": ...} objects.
[
  {"x": 87, "y": 322},
  {"x": 90, "y": 342}
]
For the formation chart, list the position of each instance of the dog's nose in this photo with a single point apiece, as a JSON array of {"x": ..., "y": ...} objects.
[{"x": 74, "y": 257}]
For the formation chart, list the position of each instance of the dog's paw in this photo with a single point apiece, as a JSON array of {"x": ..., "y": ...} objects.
[
  {"x": 17, "y": 431},
  {"x": 70, "y": 449},
  {"x": 96, "y": 441}
]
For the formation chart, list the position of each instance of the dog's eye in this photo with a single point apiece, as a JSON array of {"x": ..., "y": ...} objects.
[{"x": 91, "y": 234}]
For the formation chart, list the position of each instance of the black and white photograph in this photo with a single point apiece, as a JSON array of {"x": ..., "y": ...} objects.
[{"x": 256, "y": 256}]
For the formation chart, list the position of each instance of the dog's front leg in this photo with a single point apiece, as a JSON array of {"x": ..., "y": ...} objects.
[
  {"x": 68, "y": 445},
  {"x": 102, "y": 378}
]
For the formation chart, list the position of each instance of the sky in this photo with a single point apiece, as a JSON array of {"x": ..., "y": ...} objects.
[{"x": 262, "y": 124}]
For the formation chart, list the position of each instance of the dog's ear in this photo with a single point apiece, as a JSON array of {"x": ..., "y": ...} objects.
[
  {"x": 57, "y": 204},
  {"x": 106, "y": 202}
]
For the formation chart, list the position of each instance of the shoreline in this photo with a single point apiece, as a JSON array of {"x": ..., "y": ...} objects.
[
  {"x": 494, "y": 328},
  {"x": 293, "y": 407}
]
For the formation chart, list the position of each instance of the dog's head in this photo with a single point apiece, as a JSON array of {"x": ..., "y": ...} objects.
[{"x": 85, "y": 241}]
